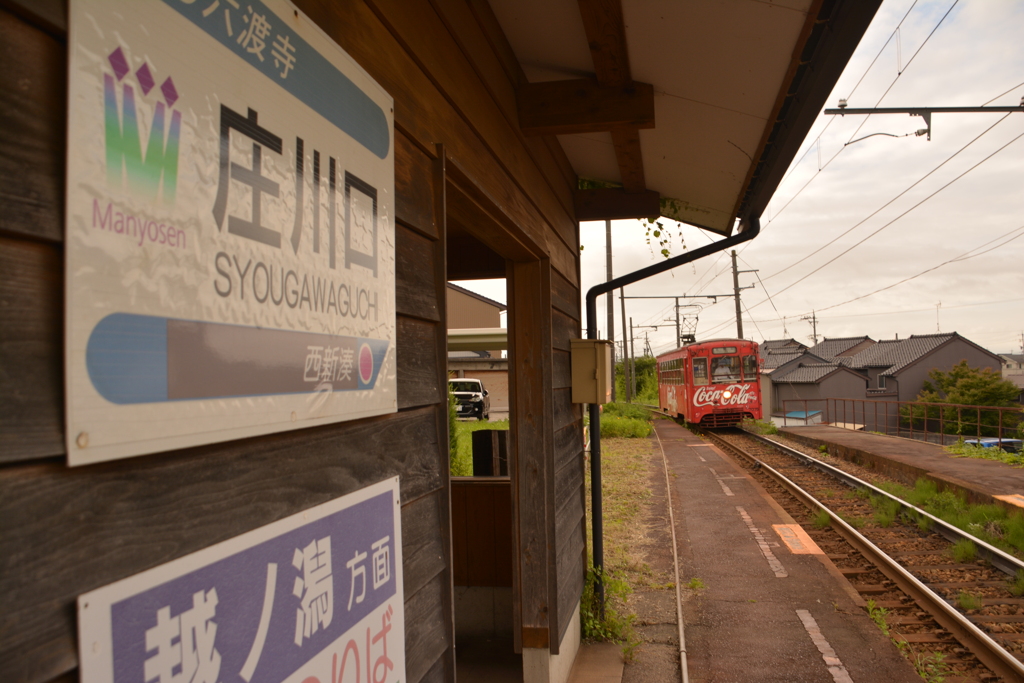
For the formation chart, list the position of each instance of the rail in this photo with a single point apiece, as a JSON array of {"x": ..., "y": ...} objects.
[
  {"x": 941, "y": 423},
  {"x": 988, "y": 651}
]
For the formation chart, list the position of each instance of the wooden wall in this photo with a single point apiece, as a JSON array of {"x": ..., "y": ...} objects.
[{"x": 66, "y": 531}]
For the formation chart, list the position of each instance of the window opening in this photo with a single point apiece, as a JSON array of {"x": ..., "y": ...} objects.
[
  {"x": 749, "y": 368},
  {"x": 700, "y": 371},
  {"x": 725, "y": 369}
]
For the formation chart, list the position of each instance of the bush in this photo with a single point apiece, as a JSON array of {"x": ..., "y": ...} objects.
[
  {"x": 630, "y": 410},
  {"x": 629, "y": 427}
]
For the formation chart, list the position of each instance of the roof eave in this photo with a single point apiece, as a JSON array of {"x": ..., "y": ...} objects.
[{"x": 832, "y": 32}]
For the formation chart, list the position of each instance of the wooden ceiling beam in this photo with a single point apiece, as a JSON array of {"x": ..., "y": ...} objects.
[
  {"x": 615, "y": 204},
  {"x": 606, "y": 37},
  {"x": 630, "y": 158},
  {"x": 583, "y": 106}
]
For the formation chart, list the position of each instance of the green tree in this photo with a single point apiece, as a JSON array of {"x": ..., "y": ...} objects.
[
  {"x": 964, "y": 385},
  {"x": 646, "y": 380}
]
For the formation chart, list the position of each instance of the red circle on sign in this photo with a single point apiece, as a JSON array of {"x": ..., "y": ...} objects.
[{"x": 365, "y": 364}]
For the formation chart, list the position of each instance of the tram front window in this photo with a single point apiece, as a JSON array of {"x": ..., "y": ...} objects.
[
  {"x": 749, "y": 369},
  {"x": 724, "y": 370}
]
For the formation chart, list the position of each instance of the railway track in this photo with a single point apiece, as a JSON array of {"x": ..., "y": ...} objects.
[{"x": 901, "y": 559}]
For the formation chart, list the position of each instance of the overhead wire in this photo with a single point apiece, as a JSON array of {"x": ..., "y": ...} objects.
[
  {"x": 818, "y": 137},
  {"x": 893, "y": 83},
  {"x": 965, "y": 256},
  {"x": 883, "y": 206},
  {"x": 886, "y": 225}
]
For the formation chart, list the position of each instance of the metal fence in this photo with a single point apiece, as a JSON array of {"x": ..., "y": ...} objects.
[{"x": 940, "y": 423}]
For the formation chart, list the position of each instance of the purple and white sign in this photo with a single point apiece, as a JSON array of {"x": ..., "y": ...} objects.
[{"x": 314, "y": 598}]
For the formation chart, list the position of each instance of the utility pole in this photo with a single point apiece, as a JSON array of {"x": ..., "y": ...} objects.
[
  {"x": 611, "y": 295},
  {"x": 632, "y": 363},
  {"x": 813, "y": 319},
  {"x": 736, "y": 293},
  {"x": 736, "y": 289},
  {"x": 679, "y": 339},
  {"x": 625, "y": 349}
]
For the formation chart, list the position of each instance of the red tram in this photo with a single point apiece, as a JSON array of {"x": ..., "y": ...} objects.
[{"x": 712, "y": 383}]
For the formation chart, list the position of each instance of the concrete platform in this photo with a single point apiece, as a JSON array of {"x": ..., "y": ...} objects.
[
  {"x": 765, "y": 613},
  {"x": 907, "y": 460}
]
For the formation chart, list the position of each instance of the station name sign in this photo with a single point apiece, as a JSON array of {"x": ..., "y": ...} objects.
[
  {"x": 230, "y": 260},
  {"x": 313, "y": 598}
]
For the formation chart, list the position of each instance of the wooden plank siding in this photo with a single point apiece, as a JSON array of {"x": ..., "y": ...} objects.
[{"x": 66, "y": 531}]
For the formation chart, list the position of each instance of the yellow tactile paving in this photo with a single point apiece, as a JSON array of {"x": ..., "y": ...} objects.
[{"x": 796, "y": 539}]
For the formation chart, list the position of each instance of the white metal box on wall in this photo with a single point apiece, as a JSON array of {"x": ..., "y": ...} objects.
[{"x": 591, "y": 370}]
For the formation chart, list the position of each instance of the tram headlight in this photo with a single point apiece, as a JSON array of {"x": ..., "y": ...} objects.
[{"x": 726, "y": 395}]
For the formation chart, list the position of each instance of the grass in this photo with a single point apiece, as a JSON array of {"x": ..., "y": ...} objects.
[
  {"x": 625, "y": 420},
  {"x": 964, "y": 551},
  {"x": 993, "y": 524},
  {"x": 966, "y": 450},
  {"x": 695, "y": 584},
  {"x": 855, "y": 522},
  {"x": 766, "y": 428},
  {"x": 930, "y": 666},
  {"x": 626, "y": 492},
  {"x": 822, "y": 520},
  {"x": 462, "y": 461},
  {"x": 887, "y": 510},
  {"x": 1017, "y": 584},
  {"x": 968, "y": 601}
]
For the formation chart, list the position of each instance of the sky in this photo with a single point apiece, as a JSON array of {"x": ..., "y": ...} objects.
[{"x": 945, "y": 215}]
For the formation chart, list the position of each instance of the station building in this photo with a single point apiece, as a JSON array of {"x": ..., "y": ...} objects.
[{"x": 512, "y": 122}]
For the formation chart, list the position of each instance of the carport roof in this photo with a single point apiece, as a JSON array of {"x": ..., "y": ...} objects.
[{"x": 736, "y": 86}]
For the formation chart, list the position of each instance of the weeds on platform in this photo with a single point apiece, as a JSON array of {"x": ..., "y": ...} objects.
[
  {"x": 878, "y": 615},
  {"x": 695, "y": 584},
  {"x": 967, "y": 450},
  {"x": 626, "y": 492},
  {"x": 609, "y": 626},
  {"x": 765, "y": 428}
]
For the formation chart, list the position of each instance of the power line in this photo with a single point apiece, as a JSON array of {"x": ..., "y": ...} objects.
[
  {"x": 851, "y": 248},
  {"x": 883, "y": 206},
  {"x": 900, "y": 73},
  {"x": 962, "y": 257},
  {"x": 817, "y": 139},
  {"x": 967, "y": 255}
]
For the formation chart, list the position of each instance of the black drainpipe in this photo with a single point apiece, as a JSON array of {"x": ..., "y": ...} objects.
[{"x": 752, "y": 227}]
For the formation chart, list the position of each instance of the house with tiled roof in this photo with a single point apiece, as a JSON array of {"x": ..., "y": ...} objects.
[
  {"x": 840, "y": 347},
  {"x": 859, "y": 368},
  {"x": 811, "y": 380},
  {"x": 897, "y": 369},
  {"x": 781, "y": 346}
]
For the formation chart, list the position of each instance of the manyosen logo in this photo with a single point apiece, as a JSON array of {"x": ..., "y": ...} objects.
[{"x": 124, "y": 145}]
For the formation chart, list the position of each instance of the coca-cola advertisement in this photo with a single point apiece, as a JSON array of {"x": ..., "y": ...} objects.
[{"x": 732, "y": 395}]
